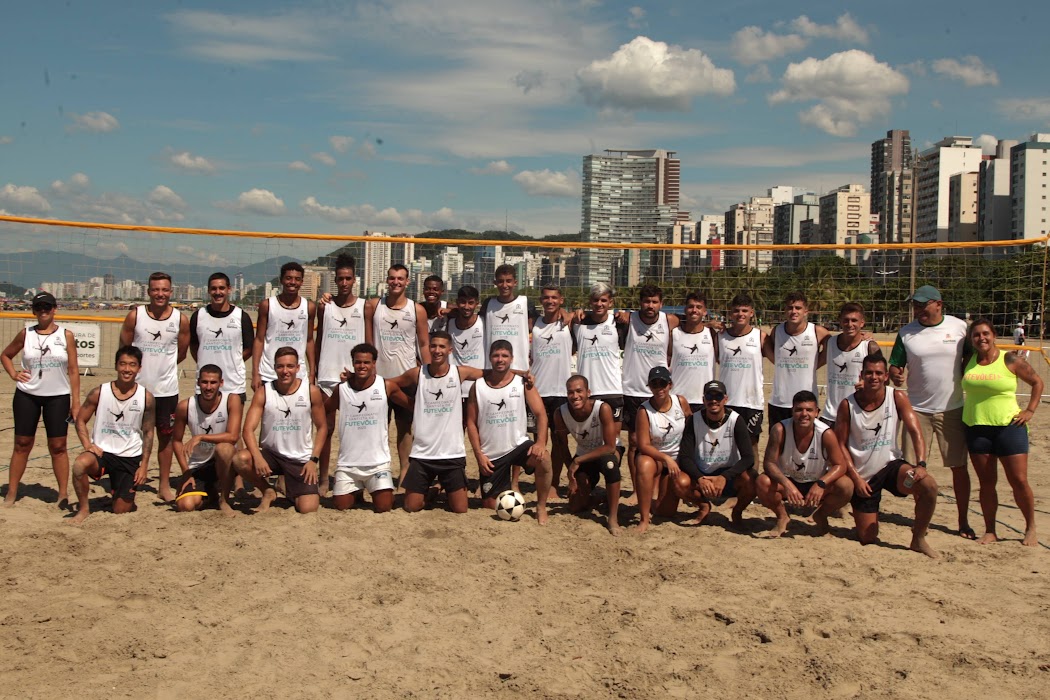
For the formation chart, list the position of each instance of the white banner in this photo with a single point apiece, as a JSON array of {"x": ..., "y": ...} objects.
[{"x": 89, "y": 340}]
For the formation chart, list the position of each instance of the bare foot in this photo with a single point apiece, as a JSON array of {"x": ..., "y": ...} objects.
[
  {"x": 1030, "y": 539},
  {"x": 988, "y": 538},
  {"x": 821, "y": 520},
  {"x": 269, "y": 496},
  {"x": 9, "y": 500},
  {"x": 614, "y": 529},
  {"x": 779, "y": 529},
  {"x": 553, "y": 495},
  {"x": 966, "y": 532},
  {"x": 80, "y": 516},
  {"x": 737, "y": 517},
  {"x": 705, "y": 510},
  {"x": 643, "y": 526},
  {"x": 166, "y": 494},
  {"x": 919, "y": 544},
  {"x": 226, "y": 510},
  {"x": 541, "y": 515}
]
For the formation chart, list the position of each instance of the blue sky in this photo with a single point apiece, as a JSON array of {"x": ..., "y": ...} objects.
[{"x": 404, "y": 116}]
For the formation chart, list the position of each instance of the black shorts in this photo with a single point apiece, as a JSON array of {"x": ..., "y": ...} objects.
[
  {"x": 400, "y": 413},
  {"x": 828, "y": 422},
  {"x": 450, "y": 473},
  {"x": 294, "y": 474},
  {"x": 608, "y": 467},
  {"x": 777, "y": 414},
  {"x": 165, "y": 411},
  {"x": 551, "y": 404},
  {"x": 885, "y": 479},
  {"x": 615, "y": 402},
  {"x": 728, "y": 491},
  {"x": 631, "y": 404},
  {"x": 121, "y": 472},
  {"x": 205, "y": 479},
  {"x": 499, "y": 481},
  {"x": 28, "y": 408},
  {"x": 998, "y": 440},
  {"x": 753, "y": 418}
]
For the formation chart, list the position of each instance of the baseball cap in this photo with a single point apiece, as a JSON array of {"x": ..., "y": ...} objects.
[
  {"x": 44, "y": 299},
  {"x": 715, "y": 386},
  {"x": 659, "y": 374},
  {"x": 924, "y": 294}
]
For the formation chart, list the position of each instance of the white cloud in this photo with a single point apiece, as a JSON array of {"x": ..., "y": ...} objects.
[
  {"x": 78, "y": 182},
  {"x": 969, "y": 69},
  {"x": 752, "y": 45},
  {"x": 366, "y": 150},
  {"x": 341, "y": 144},
  {"x": 369, "y": 216},
  {"x": 256, "y": 201},
  {"x": 300, "y": 166},
  {"x": 95, "y": 122},
  {"x": 24, "y": 200},
  {"x": 160, "y": 204},
  {"x": 850, "y": 88},
  {"x": 647, "y": 74},
  {"x": 1026, "y": 109},
  {"x": 325, "y": 158},
  {"x": 201, "y": 255},
  {"x": 495, "y": 167},
  {"x": 844, "y": 29},
  {"x": 760, "y": 74},
  {"x": 184, "y": 160},
  {"x": 637, "y": 15},
  {"x": 165, "y": 197},
  {"x": 246, "y": 39},
  {"x": 547, "y": 183},
  {"x": 4, "y": 140}
]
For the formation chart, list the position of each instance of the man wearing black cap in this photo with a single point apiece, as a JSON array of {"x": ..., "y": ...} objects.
[
  {"x": 716, "y": 457},
  {"x": 931, "y": 348}
]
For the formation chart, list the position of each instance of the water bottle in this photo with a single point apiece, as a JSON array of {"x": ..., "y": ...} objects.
[{"x": 909, "y": 479}]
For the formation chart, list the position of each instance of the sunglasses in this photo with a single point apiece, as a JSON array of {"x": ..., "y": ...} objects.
[
  {"x": 42, "y": 307},
  {"x": 713, "y": 396},
  {"x": 659, "y": 384}
]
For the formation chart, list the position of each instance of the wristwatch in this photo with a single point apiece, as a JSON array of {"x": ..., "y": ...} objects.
[
  {"x": 921, "y": 463},
  {"x": 821, "y": 484},
  {"x": 314, "y": 458}
]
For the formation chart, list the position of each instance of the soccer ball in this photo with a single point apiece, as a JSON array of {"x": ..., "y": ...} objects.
[{"x": 510, "y": 505}]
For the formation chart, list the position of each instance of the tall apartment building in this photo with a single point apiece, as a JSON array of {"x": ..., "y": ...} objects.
[
  {"x": 950, "y": 155},
  {"x": 787, "y": 224},
  {"x": 448, "y": 264},
  {"x": 891, "y": 160},
  {"x": 629, "y": 196},
  {"x": 750, "y": 223},
  {"x": 962, "y": 207},
  {"x": 1029, "y": 187},
  {"x": 845, "y": 215},
  {"x": 993, "y": 191},
  {"x": 377, "y": 262}
]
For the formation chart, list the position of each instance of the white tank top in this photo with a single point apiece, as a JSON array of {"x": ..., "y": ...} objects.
[
  {"x": 598, "y": 357},
  {"x": 285, "y": 327},
  {"x": 692, "y": 362},
  {"x": 803, "y": 467},
  {"x": 364, "y": 440},
  {"x": 438, "y": 323},
  {"x": 551, "y": 356},
  {"x": 740, "y": 368},
  {"x": 201, "y": 423},
  {"x": 501, "y": 417},
  {"x": 118, "y": 424},
  {"x": 843, "y": 373},
  {"x": 438, "y": 416},
  {"x": 666, "y": 428},
  {"x": 795, "y": 368},
  {"x": 344, "y": 327},
  {"x": 873, "y": 436},
  {"x": 468, "y": 348},
  {"x": 646, "y": 347},
  {"x": 287, "y": 424},
  {"x": 46, "y": 358},
  {"x": 587, "y": 432},
  {"x": 715, "y": 447},
  {"x": 159, "y": 342},
  {"x": 394, "y": 331},
  {"x": 508, "y": 321},
  {"x": 220, "y": 342}
]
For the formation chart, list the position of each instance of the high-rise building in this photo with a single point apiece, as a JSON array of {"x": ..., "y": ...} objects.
[
  {"x": 950, "y": 155},
  {"x": 1029, "y": 187},
  {"x": 844, "y": 217},
  {"x": 377, "y": 263},
  {"x": 890, "y": 185},
  {"x": 448, "y": 264},
  {"x": 993, "y": 192},
  {"x": 962, "y": 207},
  {"x": 629, "y": 196},
  {"x": 787, "y": 222},
  {"x": 750, "y": 223}
]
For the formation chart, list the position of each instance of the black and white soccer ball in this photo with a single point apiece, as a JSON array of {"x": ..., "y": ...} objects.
[{"x": 510, "y": 505}]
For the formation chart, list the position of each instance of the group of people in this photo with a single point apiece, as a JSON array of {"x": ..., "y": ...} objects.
[{"x": 503, "y": 374}]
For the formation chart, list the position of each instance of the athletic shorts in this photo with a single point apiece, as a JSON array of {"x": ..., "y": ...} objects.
[
  {"x": 450, "y": 473},
  {"x": 885, "y": 479},
  {"x": 121, "y": 471},
  {"x": 776, "y": 414},
  {"x": 165, "y": 411},
  {"x": 631, "y": 404},
  {"x": 328, "y": 387},
  {"x": 353, "y": 479},
  {"x": 998, "y": 440},
  {"x": 400, "y": 413},
  {"x": 551, "y": 404},
  {"x": 728, "y": 491},
  {"x": 948, "y": 428},
  {"x": 753, "y": 418},
  {"x": 607, "y": 466},
  {"x": 205, "y": 478},
  {"x": 615, "y": 402},
  {"x": 294, "y": 474},
  {"x": 28, "y": 408},
  {"x": 499, "y": 481}
]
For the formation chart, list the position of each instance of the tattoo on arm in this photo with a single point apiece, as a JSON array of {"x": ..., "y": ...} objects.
[{"x": 149, "y": 421}]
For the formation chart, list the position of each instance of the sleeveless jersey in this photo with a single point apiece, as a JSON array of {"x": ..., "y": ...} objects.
[
  {"x": 715, "y": 447},
  {"x": 501, "y": 417},
  {"x": 438, "y": 416},
  {"x": 220, "y": 343},
  {"x": 587, "y": 432},
  {"x": 364, "y": 440},
  {"x": 740, "y": 368},
  {"x": 46, "y": 358},
  {"x": 990, "y": 393},
  {"x": 285, "y": 327},
  {"x": 551, "y": 356},
  {"x": 873, "y": 436},
  {"x": 468, "y": 348},
  {"x": 508, "y": 321},
  {"x": 201, "y": 423},
  {"x": 344, "y": 327},
  {"x": 287, "y": 426},
  {"x": 692, "y": 362},
  {"x": 843, "y": 374},
  {"x": 795, "y": 366},
  {"x": 159, "y": 342},
  {"x": 118, "y": 424},
  {"x": 438, "y": 323},
  {"x": 666, "y": 428},
  {"x": 803, "y": 467},
  {"x": 394, "y": 331},
  {"x": 598, "y": 356},
  {"x": 646, "y": 347}
]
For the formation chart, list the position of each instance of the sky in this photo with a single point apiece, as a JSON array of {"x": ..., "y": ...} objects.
[{"x": 412, "y": 115}]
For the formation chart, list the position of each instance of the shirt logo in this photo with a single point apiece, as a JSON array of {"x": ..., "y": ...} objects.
[
  {"x": 156, "y": 336},
  {"x": 499, "y": 406}
]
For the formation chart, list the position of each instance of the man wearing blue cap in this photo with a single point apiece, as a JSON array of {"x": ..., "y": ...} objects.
[{"x": 931, "y": 348}]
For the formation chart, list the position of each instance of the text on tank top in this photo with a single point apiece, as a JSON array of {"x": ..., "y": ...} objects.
[
  {"x": 438, "y": 416},
  {"x": 394, "y": 331},
  {"x": 795, "y": 366},
  {"x": 118, "y": 422},
  {"x": 803, "y": 467},
  {"x": 344, "y": 327},
  {"x": 692, "y": 362},
  {"x": 46, "y": 358},
  {"x": 508, "y": 321},
  {"x": 843, "y": 369},
  {"x": 645, "y": 348},
  {"x": 364, "y": 440},
  {"x": 287, "y": 425},
  {"x": 740, "y": 368},
  {"x": 501, "y": 417},
  {"x": 715, "y": 447},
  {"x": 201, "y": 423},
  {"x": 598, "y": 356},
  {"x": 158, "y": 339},
  {"x": 873, "y": 435},
  {"x": 285, "y": 327},
  {"x": 220, "y": 342},
  {"x": 468, "y": 348},
  {"x": 587, "y": 432},
  {"x": 551, "y": 356},
  {"x": 666, "y": 427}
]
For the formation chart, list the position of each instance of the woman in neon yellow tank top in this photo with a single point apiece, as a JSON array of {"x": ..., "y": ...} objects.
[{"x": 996, "y": 428}]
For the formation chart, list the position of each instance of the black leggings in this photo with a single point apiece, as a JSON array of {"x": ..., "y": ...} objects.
[{"x": 28, "y": 408}]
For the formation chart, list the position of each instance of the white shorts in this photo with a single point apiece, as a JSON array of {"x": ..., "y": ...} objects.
[
  {"x": 327, "y": 387},
  {"x": 354, "y": 479}
]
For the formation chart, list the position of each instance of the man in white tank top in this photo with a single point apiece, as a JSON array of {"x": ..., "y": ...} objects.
[
  {"x": 283, "y": 412},
  {"x": 866, "y": 427},
  {"x": 508, "y": 316},
  {"x": 794, "y": 347},
  {"x": 803, "y": 467},
  {"x": 843, "y": 355},
  {"x": 552, "y": 348},
  {"x": 659, "y": 426},
  {"x": 433, "y": 290},
  {"x": 284, "y": 320},
  {"x": 600, "y": 337},
  {"x": 340, "y": 327},
  {"x": 694, "y": 352},
  {"x": 598, "y": 449},
  {"x": 740, "y": 364},
  {"x": 121, "y": 439},
  {"x": 496, "y": 428},
  {"x": 214, "y": 419},
  {"x": 162, "y": 333},
  {"x": 222, "y": 334},
  {"x": 467, "y": 331}
]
